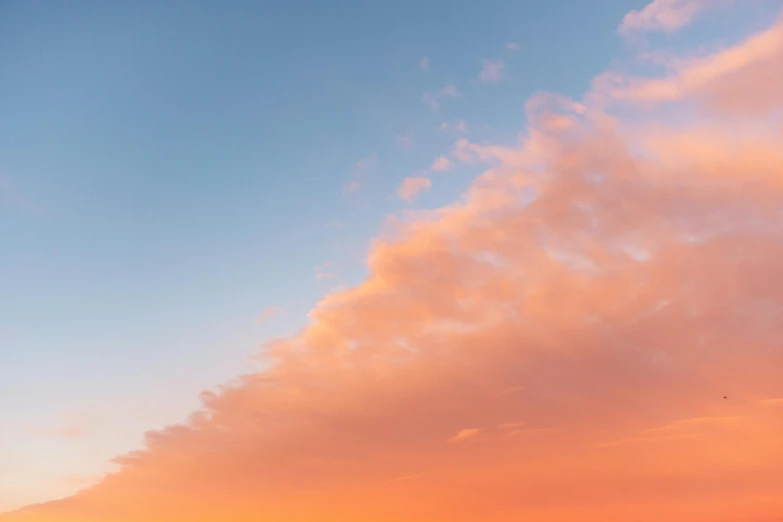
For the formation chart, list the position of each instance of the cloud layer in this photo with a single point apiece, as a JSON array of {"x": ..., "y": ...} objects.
[{"x": 554, "y": 346}]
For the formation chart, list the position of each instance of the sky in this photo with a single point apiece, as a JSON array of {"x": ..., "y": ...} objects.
[{"x": 406, "y": 261}]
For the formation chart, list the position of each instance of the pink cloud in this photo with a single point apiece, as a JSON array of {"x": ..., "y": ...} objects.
[
  {"x": 411, "y": 187},
  {"x": 269, "y": 313},
  {"x": 492, "y": 71},
  {"x": 666, "y": 15},
  {"x": 441, "y": 164}
]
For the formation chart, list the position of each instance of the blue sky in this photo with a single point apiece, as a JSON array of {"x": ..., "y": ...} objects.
[{"x": 169, "y": 170}]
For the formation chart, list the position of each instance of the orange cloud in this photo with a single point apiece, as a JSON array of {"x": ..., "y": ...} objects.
[
  {"x": 621, "y": 276},
  {"x": 411, "y": 187},
  {"x": 746, "y": 79}
]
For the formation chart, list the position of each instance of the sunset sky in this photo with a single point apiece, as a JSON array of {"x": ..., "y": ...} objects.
[{"x": 403, "y": 261}]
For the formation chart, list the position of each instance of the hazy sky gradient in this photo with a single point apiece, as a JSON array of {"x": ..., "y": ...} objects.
[{"x": 179, "y": 183}]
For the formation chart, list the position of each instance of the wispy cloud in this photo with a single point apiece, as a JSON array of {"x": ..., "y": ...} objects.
[
  {"x": 424, "y": 64},
  {"x": 512, "y": 425},
  {"x": 492, "y": 71},
  {"x": 678, "y": 430},
  {"x": 459, "y": 126},
  {"x": 466, "y": 434},
  {"x": 666, "y": 15},
  {"x": 742, "y": 79},
  {"x": 434, "y": 99},
  {"x": 361, "y": 167},
  {"x": 512, "y": 46},
  {"x": 269, "y": 313},
  {"x": 412, "y": 187},
  {"x": 441, "y": 164},
  {"x": 325, "y": 270},
  {"x": 403, "y": 141}
]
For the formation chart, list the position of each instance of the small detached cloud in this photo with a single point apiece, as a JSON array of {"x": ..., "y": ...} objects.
[
  {"x": 325, "y": 271},
  {"x": 464, "y": 435},
  {"x": 411, "y": 187},
  {"x": 359, "y": 170},
  {"x": 492, "y": 71},
  {"x": 424, "y": 64},
  {"x": 269, "y": 313},
  {"x": 512, "y": 46},
  {"x": 434, "y": 99},
  {"x": 441, "y": 164},
  {"x": 403, "y": 141},
  {"x": 460, "y": 126}
]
